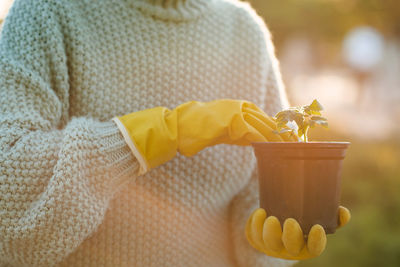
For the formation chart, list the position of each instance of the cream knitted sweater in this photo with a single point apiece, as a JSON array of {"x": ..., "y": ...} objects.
[{"x": 70, "y": 194}]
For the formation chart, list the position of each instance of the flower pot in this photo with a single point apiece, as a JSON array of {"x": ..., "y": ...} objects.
[{"x": 301, "y": 181}]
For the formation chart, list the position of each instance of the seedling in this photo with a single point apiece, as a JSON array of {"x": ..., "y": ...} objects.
[{"x": 305, "y": 117}]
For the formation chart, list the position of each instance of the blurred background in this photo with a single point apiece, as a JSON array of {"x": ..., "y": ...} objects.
[{"x": 346, "y": 54}]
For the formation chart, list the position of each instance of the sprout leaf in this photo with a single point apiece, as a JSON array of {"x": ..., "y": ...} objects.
[
  {"x": 316, "y": 106},
  {"x": 305, "y": 117}
]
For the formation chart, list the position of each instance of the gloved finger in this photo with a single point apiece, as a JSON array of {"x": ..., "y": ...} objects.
[
  {"x": 254, "y": 228},
  {"x": 248, "y": 231},
  {"x": 292, "y": 236},
  {"x": 344, "y": 216},
  {"x": 252, "y": 106},
  {"x": 262, "y": 116},
  {"x": 270, "y": 122},
  {"x": 272, "y": 234},
  {"x": 293, "y": 137},
  {"x": 316, "y": 240},
  {"x": 261, "y": 127},
  {"x": 288, "y": 137}
]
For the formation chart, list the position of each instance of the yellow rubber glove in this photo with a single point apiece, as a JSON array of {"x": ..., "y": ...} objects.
[
  {"x": 266, "y": 235},
  {"x": 156, "y": 135}
]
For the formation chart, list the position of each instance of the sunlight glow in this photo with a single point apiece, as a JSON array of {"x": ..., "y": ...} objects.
[
  {"x": 4, "y": 6},
  {"x": 331, "y": 89}
]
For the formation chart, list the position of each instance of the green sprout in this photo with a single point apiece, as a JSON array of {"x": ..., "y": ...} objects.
[{"x": 305, "y": 117}]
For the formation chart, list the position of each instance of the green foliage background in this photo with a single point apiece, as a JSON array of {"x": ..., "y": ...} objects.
[{"x": 328, "y": 19}]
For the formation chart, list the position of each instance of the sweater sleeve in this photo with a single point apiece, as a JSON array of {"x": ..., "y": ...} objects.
[
  {"x": 57, "y": 174},
  {"x": 247, "y": 200}
]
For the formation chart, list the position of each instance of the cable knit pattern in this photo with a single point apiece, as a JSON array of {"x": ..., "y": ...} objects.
[{"x": 69, "y": 190}]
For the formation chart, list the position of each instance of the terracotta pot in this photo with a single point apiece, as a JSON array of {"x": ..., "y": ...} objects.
[{"x": 301, "y": 181}]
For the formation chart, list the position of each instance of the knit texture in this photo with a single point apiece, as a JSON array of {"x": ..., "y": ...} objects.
[{"x": 70, "y": 194}]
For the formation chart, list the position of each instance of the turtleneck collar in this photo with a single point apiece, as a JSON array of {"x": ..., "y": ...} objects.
[
  {"x": 176, "y": 10},
  {"x": 167, "y": 3}
]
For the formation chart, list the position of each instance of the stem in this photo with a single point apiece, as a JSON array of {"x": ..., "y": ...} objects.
[{"x": 306, "y": 134}]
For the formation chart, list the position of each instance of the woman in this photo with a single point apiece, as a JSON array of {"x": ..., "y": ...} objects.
[{"x": 83, "y": 184}]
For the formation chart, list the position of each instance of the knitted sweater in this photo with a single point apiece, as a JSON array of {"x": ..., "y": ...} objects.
[{"x": 70, "y": 193}]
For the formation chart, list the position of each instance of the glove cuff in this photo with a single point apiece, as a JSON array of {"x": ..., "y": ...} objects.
[
  {"x": 144, "y": 166},
  {"x": 151, "y": 134}
]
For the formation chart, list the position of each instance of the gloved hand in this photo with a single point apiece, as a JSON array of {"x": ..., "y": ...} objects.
[
  {"x": 156, "y": 135},
  {"x": 266, "y": 235}
]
